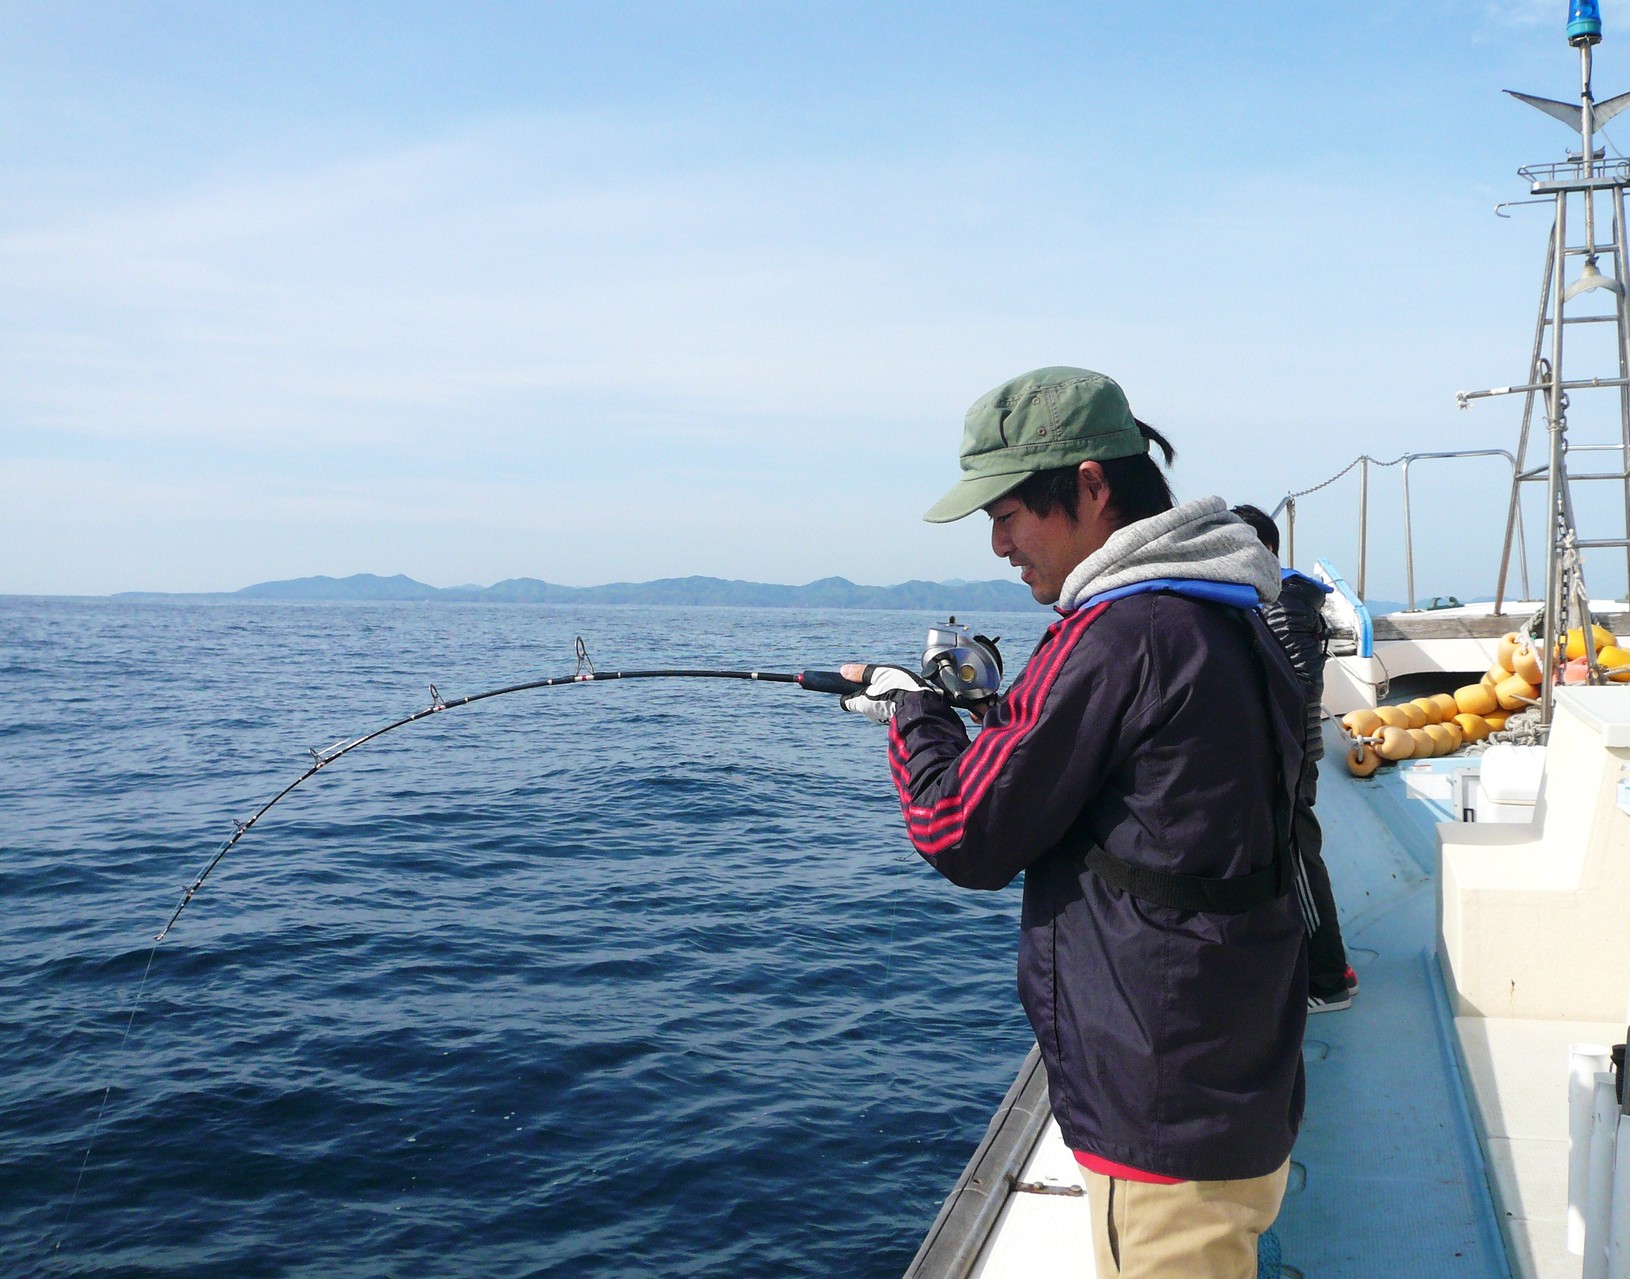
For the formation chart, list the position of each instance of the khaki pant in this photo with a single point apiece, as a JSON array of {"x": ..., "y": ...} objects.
[{"x": 1193, "y": 1230}]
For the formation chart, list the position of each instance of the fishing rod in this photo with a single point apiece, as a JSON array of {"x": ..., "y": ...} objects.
[{"x": 967, "y": 668}]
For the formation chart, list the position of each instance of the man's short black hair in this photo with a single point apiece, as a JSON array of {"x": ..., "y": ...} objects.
[
  {"x": 1262, "y": 522},
  {"x": 1137, "y": 486}
]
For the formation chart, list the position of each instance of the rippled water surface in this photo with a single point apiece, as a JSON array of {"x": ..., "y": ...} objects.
[{"x": 599, "y": 980}]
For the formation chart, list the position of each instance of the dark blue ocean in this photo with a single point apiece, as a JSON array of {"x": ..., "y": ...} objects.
[{"x": 614, "y": 979}]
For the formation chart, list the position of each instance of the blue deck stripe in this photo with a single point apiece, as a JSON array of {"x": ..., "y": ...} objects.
[
  {"x": 1450, "y": 1043},
  {"x": 1395, "y": 1184}
]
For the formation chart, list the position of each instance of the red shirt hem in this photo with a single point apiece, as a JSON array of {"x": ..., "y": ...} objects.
[{"x": 1109, "y": 1168}]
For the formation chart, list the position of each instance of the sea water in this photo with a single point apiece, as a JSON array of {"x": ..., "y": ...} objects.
[{"x": 607, "y": 979}]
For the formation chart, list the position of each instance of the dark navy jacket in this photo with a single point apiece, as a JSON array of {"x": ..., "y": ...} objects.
[{"x": 1172, "y": 1039}]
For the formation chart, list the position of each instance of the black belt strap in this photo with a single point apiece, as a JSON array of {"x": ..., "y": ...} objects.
[{"x": 1232, "y": 896}]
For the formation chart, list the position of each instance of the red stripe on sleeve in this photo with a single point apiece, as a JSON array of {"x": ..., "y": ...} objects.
[{"x": 935, "y": 827}]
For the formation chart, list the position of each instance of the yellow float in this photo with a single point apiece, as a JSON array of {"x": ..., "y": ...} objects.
[
  {"x": 1575, "y": 647},
  {"x": 1474, "y": 727},
  {"x": 1615, "y": 661},
  {"x": 1362, "y": 722},
  {"x": 1527, "y": 663},
  {"x": 1514, "y": 693},
  {"x": 1443, "y": 738},
  {"x": 1430, "y": 709},
  {"x": 1362, "y": 760},
  {"x": 1395, "y": 744}
]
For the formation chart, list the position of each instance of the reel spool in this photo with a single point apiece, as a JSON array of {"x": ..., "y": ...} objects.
[{"x": 967, "y": 667}]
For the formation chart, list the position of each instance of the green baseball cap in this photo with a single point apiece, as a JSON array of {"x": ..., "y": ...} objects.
[{"x": 1035, "y": 422}]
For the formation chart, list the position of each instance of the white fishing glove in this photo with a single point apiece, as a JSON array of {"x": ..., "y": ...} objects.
[{"x": 885, "y": 685}]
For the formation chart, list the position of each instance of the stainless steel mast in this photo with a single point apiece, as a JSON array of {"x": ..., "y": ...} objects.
[{"x": 1582, "y": 176}]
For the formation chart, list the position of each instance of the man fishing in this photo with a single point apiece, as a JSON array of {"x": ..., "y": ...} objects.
[{"x": 1142, "y": 773}]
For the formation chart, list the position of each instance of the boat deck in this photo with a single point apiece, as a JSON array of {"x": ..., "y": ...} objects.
[{"x": 1388, "y": 1177}]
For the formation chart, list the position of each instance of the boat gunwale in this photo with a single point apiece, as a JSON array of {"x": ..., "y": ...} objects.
[{"x": 970, "y": 1213}]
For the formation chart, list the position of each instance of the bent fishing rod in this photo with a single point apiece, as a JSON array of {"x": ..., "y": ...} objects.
[{"x": 967, "y": 668}]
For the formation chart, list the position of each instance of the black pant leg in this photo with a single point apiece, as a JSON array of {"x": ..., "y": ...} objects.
[{"x": 1326, "y": 955}]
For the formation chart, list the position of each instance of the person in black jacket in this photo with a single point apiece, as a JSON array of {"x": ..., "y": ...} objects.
[
  {"x": 1297, "y": 619},
  {"x": 1141, "y": 773}
]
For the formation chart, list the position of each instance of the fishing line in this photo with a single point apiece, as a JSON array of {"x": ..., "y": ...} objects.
[{"x": 96, "y": 1128}]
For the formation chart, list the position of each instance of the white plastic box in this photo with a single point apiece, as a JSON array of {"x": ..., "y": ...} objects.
[{"x": 1508, "y": 783}]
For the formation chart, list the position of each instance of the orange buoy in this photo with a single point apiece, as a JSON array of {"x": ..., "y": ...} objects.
[
  {"x": 1476, "y": 699},
  {"x": 1616, "y": 662},
  {"x": 1395, "y": 743},
  {"x": 1444, "y": 739},
  {"x": 1363, "y": 760},
  {"x": 1429, "y": 708},
  {"x": 1509, "y": 643},
  {"x": 1391, "y": 717},
  {"x": 1417, "y": 717},
  {"x": 1362, "y": 722},
  {"x": 1514, "y": 693},
  {"x": 1526, "y": 662},
  {"x": 1474, "y": 727},
  {"x": 1576, "y": 640}
]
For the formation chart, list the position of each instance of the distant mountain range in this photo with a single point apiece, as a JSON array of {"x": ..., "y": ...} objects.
[{"x": 829, "y": 592}]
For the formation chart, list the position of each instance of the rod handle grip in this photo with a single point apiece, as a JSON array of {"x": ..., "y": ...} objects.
[{"x": 828, "y": 682}]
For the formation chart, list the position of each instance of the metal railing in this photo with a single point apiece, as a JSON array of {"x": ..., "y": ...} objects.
[
  {"x": 1363, "y": 462},
  {"x": 1603, "y": 172}
]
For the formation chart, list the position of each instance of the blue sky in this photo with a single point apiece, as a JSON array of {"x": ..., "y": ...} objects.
[{"x": 595, "y": 292}]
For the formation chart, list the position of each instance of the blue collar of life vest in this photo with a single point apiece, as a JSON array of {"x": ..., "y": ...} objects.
[
  {"x": 1287, "y": 574},
  {"x": 1234, "y": 594}
]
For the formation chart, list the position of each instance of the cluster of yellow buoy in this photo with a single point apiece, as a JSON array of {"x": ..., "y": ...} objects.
[
  {"x": 1437, "y": 725},
  {"x": 1614, "y": 661},
  {"x": 1442, "y": 723}
]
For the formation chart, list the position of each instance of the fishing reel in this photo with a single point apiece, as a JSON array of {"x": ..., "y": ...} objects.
[{"x": 966, "y": 667}]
